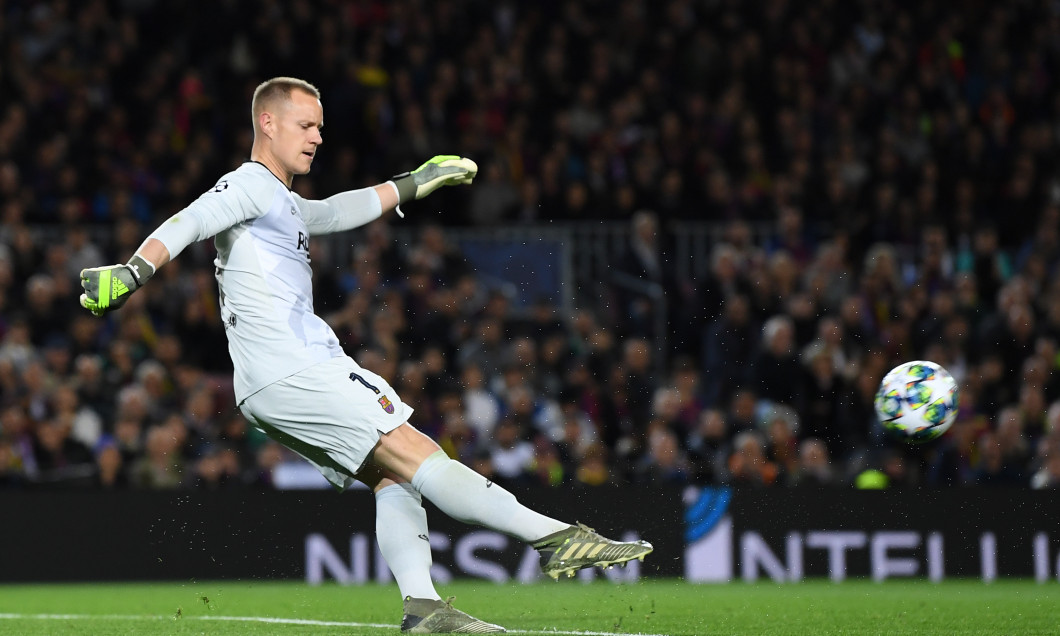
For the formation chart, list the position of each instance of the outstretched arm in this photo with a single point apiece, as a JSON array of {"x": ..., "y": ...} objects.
[
  {"x": 109, "y": 287},
  {"x": 347, "y": 210}
]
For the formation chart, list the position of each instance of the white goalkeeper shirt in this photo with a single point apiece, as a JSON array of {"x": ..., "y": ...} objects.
[{"x": 262, "y": 231}]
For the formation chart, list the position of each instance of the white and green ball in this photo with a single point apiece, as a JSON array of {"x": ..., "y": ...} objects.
[{"x": 917, "y": 401}]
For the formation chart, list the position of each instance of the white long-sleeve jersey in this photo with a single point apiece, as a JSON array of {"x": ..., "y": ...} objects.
[{"x": 262, "y": 231}]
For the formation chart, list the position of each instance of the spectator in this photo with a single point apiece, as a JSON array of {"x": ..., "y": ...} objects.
[
  {"x": 60, "y": 459},
  {"x": 17, "y": 347},
  {"x": 724, "y": 282},
  {"x": 437, "y": 255},
  {"x": 81, "y": 251},
  {"x": 485, "y": 349},
  {"x": 748, "y": 465},
  {"x": 728, "y": 350},
  {"x": 482, "y": 408},
  {"x": 594, "y": 468},
  {"x": 778, "y": 374},
  {"x": 687, "y": 385},
  {"x": 270, "y": 456},
  {"x": 868, "y": 146},
  {"x": 953, "y": 462},
  {"x": 86, "y": 426},
  {"x": 218, "y": 467},
  {"x": 162, "y": 467},
  {"x": 457, "y": 439},
  {"x": 1048, "y": 448},
  {"x": 665, "y": 462},
  {"x": 579, "y": 431},
  {"x": 110, "y": 467},
  {"x": 643, "y": 271},
  {"x": 547, "y": 467},
  {"x": 814, "y": 467},
  {"x": 858, "y": 413},
  {"x": 992, "y": 468},
  {"x": 11, "y": 474},
  {"x": 494, "y": 198},
  {"x": 1012, "y": 438},
  {"x": 640, "y": 383},
  {"x": 708, "y": 448},
  {"x": 511, "y": 455},
  {"x": 898, "y": 470},
  {"x": 781, "y": 427},
  {"x": 822, "y": 413},
  {"x": 1048, "y": 476}
]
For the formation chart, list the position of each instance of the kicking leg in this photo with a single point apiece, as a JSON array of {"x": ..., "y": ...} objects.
[
  {"x": 457, "y": 490},
  {"x": 467, "y": 496}
]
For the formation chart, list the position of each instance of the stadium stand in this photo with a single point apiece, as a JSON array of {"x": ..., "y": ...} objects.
[{"x": 877, "y": 181}]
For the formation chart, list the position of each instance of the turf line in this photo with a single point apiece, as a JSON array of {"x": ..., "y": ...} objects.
[{"x": 285, "y": 621}]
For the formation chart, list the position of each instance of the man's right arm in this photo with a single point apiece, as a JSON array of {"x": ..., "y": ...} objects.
[
  {"x": 109, "y": 287},
  {"x": 154, "y": 252}
]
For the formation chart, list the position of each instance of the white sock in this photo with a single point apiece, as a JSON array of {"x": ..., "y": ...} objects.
[
  {"x": 401, "y": 530},
  {"x": 467, "y": 496}
]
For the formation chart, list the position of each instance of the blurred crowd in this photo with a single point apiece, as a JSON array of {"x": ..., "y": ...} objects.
[{"x": 882, "y": 173}]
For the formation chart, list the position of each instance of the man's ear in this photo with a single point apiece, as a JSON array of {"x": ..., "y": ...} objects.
[{"x": 267, "y": 123}]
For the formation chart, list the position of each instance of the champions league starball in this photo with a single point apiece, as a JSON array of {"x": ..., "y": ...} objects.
[{"x": 917, "y": 401}]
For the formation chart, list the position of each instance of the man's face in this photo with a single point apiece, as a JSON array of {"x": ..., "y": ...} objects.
[{"x": 295, "y": 131}]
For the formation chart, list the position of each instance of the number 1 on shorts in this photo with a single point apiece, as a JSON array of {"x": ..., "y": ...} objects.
[{"x": 357, "y": 378}]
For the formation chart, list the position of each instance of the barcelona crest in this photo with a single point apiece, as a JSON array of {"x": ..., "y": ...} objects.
[{"x": 387, "y": 405}]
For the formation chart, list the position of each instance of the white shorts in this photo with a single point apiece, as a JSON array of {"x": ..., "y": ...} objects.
[{"x": 331, "y": 413}]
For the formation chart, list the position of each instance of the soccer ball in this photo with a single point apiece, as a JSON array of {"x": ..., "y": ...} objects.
[{"x": 917, "y": 401}]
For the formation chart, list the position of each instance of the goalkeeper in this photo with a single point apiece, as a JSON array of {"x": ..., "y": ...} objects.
[{"x": 294, "y": 382}]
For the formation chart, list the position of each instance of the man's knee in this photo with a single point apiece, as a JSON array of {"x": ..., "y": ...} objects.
[{"x": 402, "y": 450}]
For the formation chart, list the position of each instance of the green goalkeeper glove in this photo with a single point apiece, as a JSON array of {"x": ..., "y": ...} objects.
[
  {"x": 438, "y": 171},
  {"x": 107, "y": 288}
]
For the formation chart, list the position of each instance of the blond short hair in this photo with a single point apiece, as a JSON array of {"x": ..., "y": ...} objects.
[{"x": 276, "y": 89}]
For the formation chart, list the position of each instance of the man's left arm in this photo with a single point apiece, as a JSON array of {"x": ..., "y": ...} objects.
[
  {"x": 347, "y": 210},
  {"x": 344, "y": 211}
]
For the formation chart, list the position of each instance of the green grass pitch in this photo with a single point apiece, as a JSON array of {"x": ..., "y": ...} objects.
[{"x": 670, "y": 607}]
